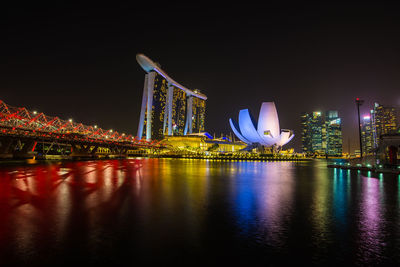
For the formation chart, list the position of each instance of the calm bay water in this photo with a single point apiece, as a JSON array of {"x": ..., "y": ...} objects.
[{"x": 195, "y": 212}]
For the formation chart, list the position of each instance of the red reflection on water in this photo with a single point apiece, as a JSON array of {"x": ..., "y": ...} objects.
[{"x": 41, "y": 201}]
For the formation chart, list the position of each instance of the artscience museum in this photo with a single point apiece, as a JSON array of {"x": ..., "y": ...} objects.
[{"x": 265, "y": 132}]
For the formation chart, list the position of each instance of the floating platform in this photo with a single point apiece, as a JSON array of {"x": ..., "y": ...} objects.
[{"x": 366, "y": 168}]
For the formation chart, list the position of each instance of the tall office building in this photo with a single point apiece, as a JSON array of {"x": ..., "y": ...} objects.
[
  {"x": 321, "y": 134},
  {"x": 306, "y": 133},
  {"x": 313, "y": 133},
  {"x": 168, "y": 108},
  {"x": 318, "y": 133},
  {"x": 384, "y": 121},
  {"x": 367, "y": 135},
  {"x": 334, "y": 143}
]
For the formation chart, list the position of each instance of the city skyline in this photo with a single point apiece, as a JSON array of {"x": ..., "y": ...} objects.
[
  {"x": 148, "y": 134},
  {"x": 322, "y": 133},
  {"x": 301, "y": 57}
]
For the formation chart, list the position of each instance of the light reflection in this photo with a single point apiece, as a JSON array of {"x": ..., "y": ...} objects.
[
  {"x": 36, "y": 201},
  {"x": 371, "y": 221},
  {"x": 321, "y": 204},
  {"x": 158, "y": 203},
  {"x": 262, "y": 194},
  {"x": 340, "y": 198},
  {"x": 276, "y": 201}
]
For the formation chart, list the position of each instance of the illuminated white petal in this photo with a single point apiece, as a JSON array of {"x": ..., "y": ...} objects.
[
  {"x": 247, "y": 127},
  {"x": 236, "y": 131},
  {"x": 266, "y": 132},
  {"x": 285, "y": 137},
  {"x": 268, "y": 121}
]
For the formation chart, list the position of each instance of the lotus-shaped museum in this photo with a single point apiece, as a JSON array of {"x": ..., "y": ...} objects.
[{"x": 266, "y": 132}]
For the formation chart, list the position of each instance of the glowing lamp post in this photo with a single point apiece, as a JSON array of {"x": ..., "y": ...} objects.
[{"x": 359, "y": 103}]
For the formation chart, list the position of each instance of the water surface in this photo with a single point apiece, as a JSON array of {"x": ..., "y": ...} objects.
[{"x": 196, "y": 212}]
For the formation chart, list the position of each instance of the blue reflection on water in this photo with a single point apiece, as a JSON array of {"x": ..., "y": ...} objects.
[
  {"x": 340, "y": 188},
  {"x": 209, "y": 209},
  {"x": 244, "y": 197}
]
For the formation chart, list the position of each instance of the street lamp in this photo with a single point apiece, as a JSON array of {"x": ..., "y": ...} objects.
[{"x": 359, "y": 103}]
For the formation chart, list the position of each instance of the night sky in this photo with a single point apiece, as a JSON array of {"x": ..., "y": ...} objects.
[{"x": 79, "y": 61}]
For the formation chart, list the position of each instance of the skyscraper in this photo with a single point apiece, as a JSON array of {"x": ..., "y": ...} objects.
[
  {"x": 333, "y": 124},
  {"x": 384, "y": 121},
  {"x": 306, "y": 133},
  {"x": 321, "y": 135},
  {"x": 367, "y": 135},
  {"x": 168, "y": 108},
  {"x": 313, "y": 133}
]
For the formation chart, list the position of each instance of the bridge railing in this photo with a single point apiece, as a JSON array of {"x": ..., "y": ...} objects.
[{"x": 17, "y": 119}]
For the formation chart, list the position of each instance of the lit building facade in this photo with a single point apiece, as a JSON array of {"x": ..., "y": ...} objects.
[
  {"x": 198, "y": 116},
  {"x": 321, "y": 134},
  {"x": 168, "y": 108},
  {"x": 333, "y": 125},
  {"x": 367, "y": 135},
  {"x": 199, "y": 143},
  {"x": 306, "y": 133},
  {"x": 383, "y": 121}
]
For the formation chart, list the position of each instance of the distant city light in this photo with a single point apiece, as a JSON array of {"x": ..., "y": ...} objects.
[
  {"x": 95, "y": 126},
  {"x": 34, "y": 112},
  {"x": 336, "y": 121},
  {"x": 366, "y": 117},
  {"x": 70, "y": 120}
]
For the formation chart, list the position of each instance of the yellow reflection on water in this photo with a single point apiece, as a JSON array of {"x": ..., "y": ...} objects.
[{"x": 321, "y": 204}]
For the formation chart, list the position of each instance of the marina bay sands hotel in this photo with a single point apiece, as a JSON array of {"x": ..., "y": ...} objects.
[{"x": 168, "y": 108}]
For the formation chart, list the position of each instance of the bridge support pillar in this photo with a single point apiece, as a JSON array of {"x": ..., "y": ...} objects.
[{"x": 26, "y": 151}]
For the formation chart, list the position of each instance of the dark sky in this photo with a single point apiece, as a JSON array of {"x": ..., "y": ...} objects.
[{"x": 79, "y": 61}]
